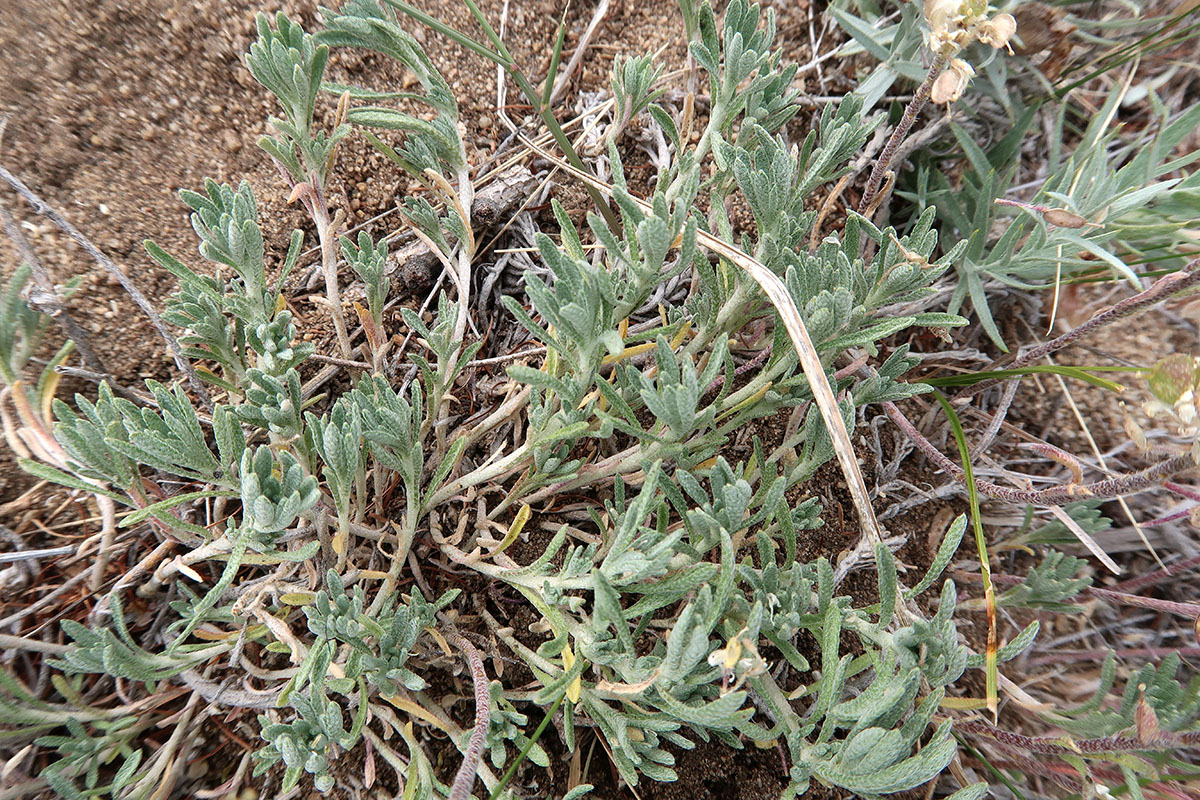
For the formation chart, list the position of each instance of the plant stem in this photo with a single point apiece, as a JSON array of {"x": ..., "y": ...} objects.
[
  {"x": 484, "y": 473},
  {"x": 14, "y": 643},
  {"x": 43, "y": 208},
  {"x": 1169, "y": 572},
  {"x": 625, "y": 461},
  {"x": 732, "y": 315},
  {"x": 1187, "y": 610},
  {"x": 1058, "y": 495},
  {"x": 320, "y": 215},
  {"x": 464, "y": 779},
  {"x": 1055, "y": 745},
  {"x": 1161, "y": 289},
  {"x": 461, "y": 202},
  {"x": 752, "y": 364},
  {"x": 906, "y": 122},
  {"x": 1096, "y": 656}
]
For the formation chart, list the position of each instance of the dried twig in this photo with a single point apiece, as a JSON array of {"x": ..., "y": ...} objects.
[
  {"x": 1161, "y": 289},
  {"x": 33, "y": 555},
  {"x": 48, "y": 600},
  {"x": 46, "y": 299},
  {"x": 1058, "y": 495},
  {"x": 140, "y": 398},
  {"x": 218, "y": 693},
  {"x": 44, "y": 208},
  {"x": 564, "y": 77}
]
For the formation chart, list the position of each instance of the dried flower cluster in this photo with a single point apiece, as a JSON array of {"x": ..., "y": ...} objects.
[{"x": 955, "y": 24}]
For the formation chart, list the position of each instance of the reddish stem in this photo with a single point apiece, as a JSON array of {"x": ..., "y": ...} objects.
[
  {"x": 1077, "y": 656},
  {"x": 906, "y": 122},
  {"x": 1160, "y": 290},
  {"x": 1053, "y": 745},
  {"x": 1158, "y": 576},
  {"x": 1188, "y": 610},
  {"x": 464, "y": 779},
  {"x": 1056, "y": 496}
]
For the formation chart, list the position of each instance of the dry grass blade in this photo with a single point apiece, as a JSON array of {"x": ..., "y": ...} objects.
[
  {"x": 1086, "y": 540},
  {"x": 810, "y": 362},
  {"x": 1099, "y": 456}
]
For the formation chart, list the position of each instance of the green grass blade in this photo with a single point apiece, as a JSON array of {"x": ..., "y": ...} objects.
[
  {"x": 1000, "y": 776},
  {"x": 537, "y": 734},
  {"x": 446, "y": 30},
  {"x": 1127, "y": 53},
  {"x": 555, "y": 57},
  {"x": 497, "y": 42},
  {"x": 989, "y": 592},
  {"x": 1078, "y": 373}
]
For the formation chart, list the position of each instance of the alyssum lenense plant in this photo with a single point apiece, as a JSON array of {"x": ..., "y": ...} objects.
[
  {"x": 659, "y": 622},
  {"x": 587, "y": 389}
]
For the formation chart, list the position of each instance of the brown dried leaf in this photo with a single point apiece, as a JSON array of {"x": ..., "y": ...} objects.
[{"x": 1145, "y": 719}]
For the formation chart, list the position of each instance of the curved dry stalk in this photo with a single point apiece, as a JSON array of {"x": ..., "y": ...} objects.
[
  {"x": 464, "y": 779},
  {"x": 810, "y": 362}
]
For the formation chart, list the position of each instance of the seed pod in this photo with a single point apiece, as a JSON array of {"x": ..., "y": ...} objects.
[
  {"x": 950, "y": 84},
  {"x": 1063, "y": 218},
  {"x": 997, "y": 31}
]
